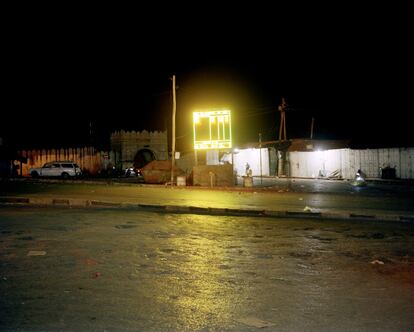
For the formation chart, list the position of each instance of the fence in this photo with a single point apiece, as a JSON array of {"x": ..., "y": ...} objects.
[
  {"x": 346, "y": 162},
  {"x": 90, "y": 160}
]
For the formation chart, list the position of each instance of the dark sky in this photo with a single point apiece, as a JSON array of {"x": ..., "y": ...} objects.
[{"x": 351, "y": 70}]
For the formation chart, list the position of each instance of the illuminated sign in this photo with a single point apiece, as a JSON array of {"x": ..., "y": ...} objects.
[{"x": 212, "y": 130}]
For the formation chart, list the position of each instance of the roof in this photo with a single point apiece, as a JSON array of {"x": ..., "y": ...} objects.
[
  {"x": 299, "y": 144},
  {"x": 317, "y": 144}
]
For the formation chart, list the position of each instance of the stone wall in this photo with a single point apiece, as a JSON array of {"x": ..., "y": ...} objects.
[{"x": 126, "y": 144}]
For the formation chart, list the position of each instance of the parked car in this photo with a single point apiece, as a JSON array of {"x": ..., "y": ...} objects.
[
  {"x": 64, "y": 169},
  {"x": 132, "y": 171}
]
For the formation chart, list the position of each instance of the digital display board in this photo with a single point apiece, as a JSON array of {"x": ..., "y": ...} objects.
[{"x": 212, "y": 130}]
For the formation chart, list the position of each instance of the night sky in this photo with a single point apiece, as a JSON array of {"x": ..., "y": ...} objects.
[{"x": 72, "y": 81}]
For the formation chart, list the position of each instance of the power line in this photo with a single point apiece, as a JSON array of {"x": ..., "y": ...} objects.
[{"x": 255, "y": 114}]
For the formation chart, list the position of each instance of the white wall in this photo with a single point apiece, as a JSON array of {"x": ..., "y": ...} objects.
[
  {"x": 212, "y": 157},
  {"x": 347, "y": 161},
  {"x": 311, "y": 164},
  {"x": 252, "y": 156},
  {"x": 406, "y": 169}
]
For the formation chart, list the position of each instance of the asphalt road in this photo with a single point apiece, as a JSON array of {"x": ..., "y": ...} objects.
[
  {"x": 287, "y": 195},
  {"x": 121, "y": 270}
]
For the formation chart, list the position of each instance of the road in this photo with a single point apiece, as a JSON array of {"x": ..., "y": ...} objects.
[
  {"x": 124, "y": 270},
  {"x": 288, "y": 195}
]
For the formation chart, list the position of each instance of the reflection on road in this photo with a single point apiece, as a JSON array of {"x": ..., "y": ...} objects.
[{"x": 114, "y": 269}]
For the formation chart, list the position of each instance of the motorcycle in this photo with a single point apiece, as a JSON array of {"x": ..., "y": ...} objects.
[{"x": 359, "y": 180}]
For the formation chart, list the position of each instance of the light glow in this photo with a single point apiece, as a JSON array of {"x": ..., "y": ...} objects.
[{"x": 196, "y": 119}]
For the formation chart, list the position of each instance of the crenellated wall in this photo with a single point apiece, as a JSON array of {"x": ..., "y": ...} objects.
[{"x": 126, "y": 144}]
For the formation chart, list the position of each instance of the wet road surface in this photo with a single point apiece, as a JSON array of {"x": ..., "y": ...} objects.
[
  {"x": 121, "y": 270},
  {"x": 291, "y": 195}
]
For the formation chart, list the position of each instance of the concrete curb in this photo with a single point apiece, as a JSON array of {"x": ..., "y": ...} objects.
[{"x": 178, "y": 209}]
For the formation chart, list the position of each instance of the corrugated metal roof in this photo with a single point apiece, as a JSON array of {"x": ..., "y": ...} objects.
[
  {"x": 317, "y": 144},
  {"x": 302, "y": 144}
]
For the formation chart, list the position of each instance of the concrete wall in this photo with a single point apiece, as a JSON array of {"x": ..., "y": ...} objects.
[
  {"x": 186, "y": 162},
  {"x": 213, "y": 175}
]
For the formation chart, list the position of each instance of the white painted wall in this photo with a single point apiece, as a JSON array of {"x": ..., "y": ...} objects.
[
  {"x": 212, "y": 157},
  {"x": 347, "y": 161},
  {"x": 252, "y": 156},
  {"x": 406, "y": 170},
  {"x": 312, "y": 164}
]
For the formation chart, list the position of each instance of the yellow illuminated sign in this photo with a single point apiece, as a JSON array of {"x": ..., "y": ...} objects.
[{"x": 212, "y": 130}]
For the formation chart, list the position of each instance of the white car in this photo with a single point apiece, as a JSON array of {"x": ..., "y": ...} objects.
[{"x": 64, "y": 169}]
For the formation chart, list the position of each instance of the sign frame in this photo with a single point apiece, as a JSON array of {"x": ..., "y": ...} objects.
[{"x": 219, "y": 130}]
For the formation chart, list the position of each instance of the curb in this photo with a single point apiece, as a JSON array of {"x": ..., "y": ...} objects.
[{"x": 177, "y": 209}]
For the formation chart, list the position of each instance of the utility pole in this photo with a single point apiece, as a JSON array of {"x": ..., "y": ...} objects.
[
  {"x": 90, "y": 133},
  {"x": 311, "y": 133},
  {"x": 260, "y": 154},
  {"x": 282, "y": 127},
  {"x": 173, "y": 132},
  {"x": 282, "y": 137}
]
